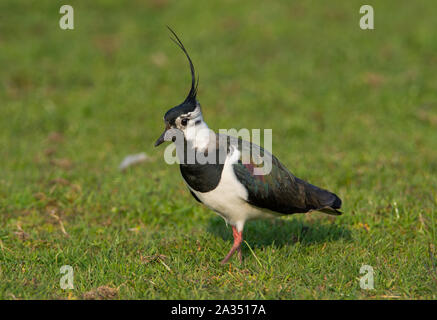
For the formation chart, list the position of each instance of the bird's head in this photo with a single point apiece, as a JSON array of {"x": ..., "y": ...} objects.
[{"x": 186, "y": 115}]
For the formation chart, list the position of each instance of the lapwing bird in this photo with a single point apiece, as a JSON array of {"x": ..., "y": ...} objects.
[{"x": 230, "y": 185}]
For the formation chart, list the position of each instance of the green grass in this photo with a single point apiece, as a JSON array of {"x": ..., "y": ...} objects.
[{"x": 352, "y": 111}]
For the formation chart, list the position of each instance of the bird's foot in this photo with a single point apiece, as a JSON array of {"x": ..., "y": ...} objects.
[{"x": 238, "y": 239}]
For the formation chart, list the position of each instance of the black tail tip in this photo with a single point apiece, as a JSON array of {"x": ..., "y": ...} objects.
[{"x": 337, "y": 202}]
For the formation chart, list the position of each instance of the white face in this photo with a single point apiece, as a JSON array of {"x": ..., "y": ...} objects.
[
  {"x": 187, "y": 122},
  {"x": 194, "y": 128}
]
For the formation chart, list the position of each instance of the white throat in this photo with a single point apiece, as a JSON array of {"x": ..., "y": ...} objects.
[{"x": 197, "y": 132}]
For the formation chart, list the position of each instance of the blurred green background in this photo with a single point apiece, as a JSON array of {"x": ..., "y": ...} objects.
[{"x": 352, "y": 111}]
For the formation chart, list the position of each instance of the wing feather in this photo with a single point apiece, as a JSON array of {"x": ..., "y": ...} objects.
[{"x": 279, "y": 190}]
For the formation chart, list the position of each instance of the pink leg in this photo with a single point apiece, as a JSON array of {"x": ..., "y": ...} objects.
[{"x": 238, "y": 239}]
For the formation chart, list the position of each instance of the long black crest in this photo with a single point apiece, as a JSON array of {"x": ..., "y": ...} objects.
[{"x": 193, "y": 91}]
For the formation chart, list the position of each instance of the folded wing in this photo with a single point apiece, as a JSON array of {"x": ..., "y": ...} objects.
[{"x": 279, "y": 190}]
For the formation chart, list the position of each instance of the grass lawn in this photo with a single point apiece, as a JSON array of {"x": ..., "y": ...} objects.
[{"x": 352, "y": 111}]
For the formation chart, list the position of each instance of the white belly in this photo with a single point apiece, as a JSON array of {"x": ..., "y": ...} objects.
[{"x": 229, "y": 198}]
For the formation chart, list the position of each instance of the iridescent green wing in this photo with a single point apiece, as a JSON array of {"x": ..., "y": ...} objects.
[{"x": 278, "y": 190}]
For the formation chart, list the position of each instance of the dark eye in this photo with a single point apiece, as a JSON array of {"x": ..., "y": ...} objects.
[{"x": 184, "y": 121}]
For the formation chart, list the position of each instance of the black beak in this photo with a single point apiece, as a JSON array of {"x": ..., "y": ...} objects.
[{"x": 161, "y": 139}]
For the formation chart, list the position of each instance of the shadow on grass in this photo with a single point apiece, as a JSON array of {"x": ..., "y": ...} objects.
[{"x": 280, "y": 232}]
